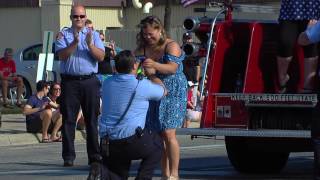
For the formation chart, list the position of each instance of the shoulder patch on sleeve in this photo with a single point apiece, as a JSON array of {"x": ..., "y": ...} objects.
[{"x": 59, "y": 35}]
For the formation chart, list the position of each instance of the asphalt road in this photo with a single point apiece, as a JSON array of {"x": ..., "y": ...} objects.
[{"x": 200, "y": 159}]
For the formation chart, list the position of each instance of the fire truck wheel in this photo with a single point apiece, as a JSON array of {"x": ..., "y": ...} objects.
[{"x": 247, "y": 160}]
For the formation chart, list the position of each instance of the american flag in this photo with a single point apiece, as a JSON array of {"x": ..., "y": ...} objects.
[{"x": 186, "y": 3}]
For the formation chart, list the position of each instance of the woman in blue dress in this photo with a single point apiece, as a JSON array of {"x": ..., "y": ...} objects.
[
  {"x": 295, "y": 15},
  {"x": 163, "y": 57}
]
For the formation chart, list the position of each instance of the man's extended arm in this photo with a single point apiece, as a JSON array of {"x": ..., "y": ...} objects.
[
  {"x": 153, "y": 78},
  {"x": 311, "y": 35},
  {"x": 27, "y": 110}
]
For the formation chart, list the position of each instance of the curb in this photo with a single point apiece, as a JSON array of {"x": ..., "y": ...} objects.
[
  {"x": 13, "y": 132},
  {"x": 29, "y": 138}
]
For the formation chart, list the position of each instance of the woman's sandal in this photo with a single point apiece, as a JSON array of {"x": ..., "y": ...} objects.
[
  {"x": 59, "y": 139},
  {"x": 283, "y": 89},
  {"x": 46, "y": 140},
  {"x": 20, "y": 105},
  {"x": 169, "y": 178},
  {"x": 283, "y": 85},
  {"x": 173, "y": 178},
  {"x": 7, "y": 105}
]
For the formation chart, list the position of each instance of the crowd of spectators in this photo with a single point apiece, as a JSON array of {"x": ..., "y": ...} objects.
[{"x": 144, "y": 110}]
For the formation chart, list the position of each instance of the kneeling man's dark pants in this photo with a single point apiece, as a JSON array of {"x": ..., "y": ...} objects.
[{"x": 148, "y": 148}]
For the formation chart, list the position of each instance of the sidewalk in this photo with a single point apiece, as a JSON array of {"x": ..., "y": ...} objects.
[{"x": 13, "y": 131}]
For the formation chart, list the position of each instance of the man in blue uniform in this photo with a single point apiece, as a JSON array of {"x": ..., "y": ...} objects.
[
  {"x": 125, "y": 102},
  {"x": 79, "y": 50}
]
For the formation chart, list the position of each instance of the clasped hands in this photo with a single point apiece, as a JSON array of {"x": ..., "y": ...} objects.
[
  {"x": 88, "y": 39},
  {"x": 149, "y": 66}
]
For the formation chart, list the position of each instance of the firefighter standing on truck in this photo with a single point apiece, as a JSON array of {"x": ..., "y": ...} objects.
[{"x": 312, "y": 35}]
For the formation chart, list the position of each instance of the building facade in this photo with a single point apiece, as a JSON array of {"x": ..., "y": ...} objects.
[{"x": 24, "y": 21}]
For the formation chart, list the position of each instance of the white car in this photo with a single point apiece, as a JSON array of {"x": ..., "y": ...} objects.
[{"x": 26, "y": 63}]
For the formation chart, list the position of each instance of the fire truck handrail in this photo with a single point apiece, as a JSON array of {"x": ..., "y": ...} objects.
[
  {"x": 208, "y": 49},
  {"x": 245, "y": 132}
]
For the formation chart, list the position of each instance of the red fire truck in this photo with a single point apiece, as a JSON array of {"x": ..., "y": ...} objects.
[{"x": 261, "y": 127}]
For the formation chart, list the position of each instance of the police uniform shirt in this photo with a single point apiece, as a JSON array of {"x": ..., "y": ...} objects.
[
  {"x": 80, "y": 62},
  {"x": 117, "y": 91}
]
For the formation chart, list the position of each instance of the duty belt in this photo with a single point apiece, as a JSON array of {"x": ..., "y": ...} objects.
[{"x": 76, "y": 77}]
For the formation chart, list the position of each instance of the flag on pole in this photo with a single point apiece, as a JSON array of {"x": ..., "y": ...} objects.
[{"x": 186, "y": 3}]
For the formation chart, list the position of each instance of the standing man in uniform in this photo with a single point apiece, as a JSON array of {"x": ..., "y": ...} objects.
[{"x": 79, "y": 49}]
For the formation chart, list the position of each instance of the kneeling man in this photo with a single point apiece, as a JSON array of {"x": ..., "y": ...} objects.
[{"x": 125, "y": 102}]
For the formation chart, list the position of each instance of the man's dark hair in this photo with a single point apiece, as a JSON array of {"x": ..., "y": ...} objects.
[
  {"x": 8, "y": 51},
  {"x": 124, "y": 62},
  {"x": 41, "y": 85},
  {"x": 88, "y": 21}
]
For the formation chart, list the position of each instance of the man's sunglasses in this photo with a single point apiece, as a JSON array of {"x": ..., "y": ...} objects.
[{"x": 78, "y": 16}]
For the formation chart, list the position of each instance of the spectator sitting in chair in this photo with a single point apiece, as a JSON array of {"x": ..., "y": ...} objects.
[
  {"x": 39, "y": 114},
  {"x": 9, "y": 78}
]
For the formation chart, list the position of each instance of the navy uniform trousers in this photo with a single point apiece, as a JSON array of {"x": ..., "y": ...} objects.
[
  {"x": 147, "y": 147},
  {"x": 76, "y": 91}
]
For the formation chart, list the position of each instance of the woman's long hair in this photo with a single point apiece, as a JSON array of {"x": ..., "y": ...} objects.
[
  {"x": 52, "y": 87},
  {"x": 154, "y": 22}
]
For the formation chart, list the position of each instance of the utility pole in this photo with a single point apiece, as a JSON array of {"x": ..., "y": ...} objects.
[{"x": 167, "y": 17}]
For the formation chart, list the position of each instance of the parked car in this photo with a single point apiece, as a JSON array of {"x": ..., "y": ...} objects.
[{"x": 26, "y": 61}]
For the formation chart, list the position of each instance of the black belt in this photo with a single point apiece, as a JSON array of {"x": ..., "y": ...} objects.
[
  {"x": 105, "y": 141},
  {"x": 77, "y": 77},
  {"x": 137, "y": 135}
]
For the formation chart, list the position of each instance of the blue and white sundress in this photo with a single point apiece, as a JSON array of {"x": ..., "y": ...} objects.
[{"x": 169, "y": 113}]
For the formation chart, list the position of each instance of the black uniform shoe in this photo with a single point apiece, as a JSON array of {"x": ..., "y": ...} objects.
[
  {"x": 95, "y": 171},
  {"x": 68, "y": 163}
]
